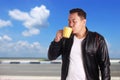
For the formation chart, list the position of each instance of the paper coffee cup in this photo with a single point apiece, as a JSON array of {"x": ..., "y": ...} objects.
[{"x": 67, "y": 32}]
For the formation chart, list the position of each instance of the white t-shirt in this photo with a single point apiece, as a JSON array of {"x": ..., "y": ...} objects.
[{"x": 76, "y": 69}]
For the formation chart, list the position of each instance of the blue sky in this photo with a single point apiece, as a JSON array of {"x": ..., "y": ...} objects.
[{"x": 28, "y": 26}]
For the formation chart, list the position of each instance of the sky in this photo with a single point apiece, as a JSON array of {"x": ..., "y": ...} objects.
[{"x": 27, "y": 27}]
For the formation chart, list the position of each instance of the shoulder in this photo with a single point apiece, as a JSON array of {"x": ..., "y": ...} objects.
[
  {"x": 97, "y": 37},
  {"x": 95, "y": 34}
]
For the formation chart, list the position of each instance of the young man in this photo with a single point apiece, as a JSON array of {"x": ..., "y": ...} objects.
[{"x": 83, "y": 54}]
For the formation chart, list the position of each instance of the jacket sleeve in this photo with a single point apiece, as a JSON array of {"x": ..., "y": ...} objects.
[
  {"x": 103, "y": 60},
  {"x": 54, "y": 50}
]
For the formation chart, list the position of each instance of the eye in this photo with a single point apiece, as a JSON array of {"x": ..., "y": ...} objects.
[{"x": 74, "y": 21}]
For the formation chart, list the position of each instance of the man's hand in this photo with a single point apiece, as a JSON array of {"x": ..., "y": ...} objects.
[{"x": 59, "y": 35}]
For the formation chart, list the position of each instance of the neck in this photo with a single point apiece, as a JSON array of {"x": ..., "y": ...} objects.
[{"x": 82, "y": 33}]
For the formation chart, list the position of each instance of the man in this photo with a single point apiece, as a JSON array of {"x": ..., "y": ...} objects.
[{"x": 83, "y": 54}]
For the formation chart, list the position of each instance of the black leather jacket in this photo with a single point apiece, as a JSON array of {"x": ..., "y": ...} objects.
[{"x": 95, "y": 56}]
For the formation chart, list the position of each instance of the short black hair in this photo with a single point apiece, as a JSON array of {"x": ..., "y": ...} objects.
[{"x": 80, "y": 12}]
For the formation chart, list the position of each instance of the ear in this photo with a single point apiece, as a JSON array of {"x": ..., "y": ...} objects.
[{"x": 84, "y": 21}]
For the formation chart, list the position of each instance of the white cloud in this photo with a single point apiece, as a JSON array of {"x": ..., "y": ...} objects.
[
  {"x": 5, "y": 38},
  {"x": 8, "y": 48},
  {"x": 30, "y": 32},
  {"x": 32, "y": 20},
  {"x": 4, "y": 23},
  {"x": 19, "y": 15}
]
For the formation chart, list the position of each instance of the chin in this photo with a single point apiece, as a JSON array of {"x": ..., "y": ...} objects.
[{"x": 73, "y": 32}]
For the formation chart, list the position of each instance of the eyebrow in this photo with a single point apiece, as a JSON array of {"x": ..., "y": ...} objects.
[{"x": 71, "y": 19}]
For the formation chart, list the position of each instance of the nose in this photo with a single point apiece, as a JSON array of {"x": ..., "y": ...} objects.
[{"x": 70, "y": 24}]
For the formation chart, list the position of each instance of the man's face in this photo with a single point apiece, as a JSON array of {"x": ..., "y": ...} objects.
[{"x": 76, "y": 23}]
